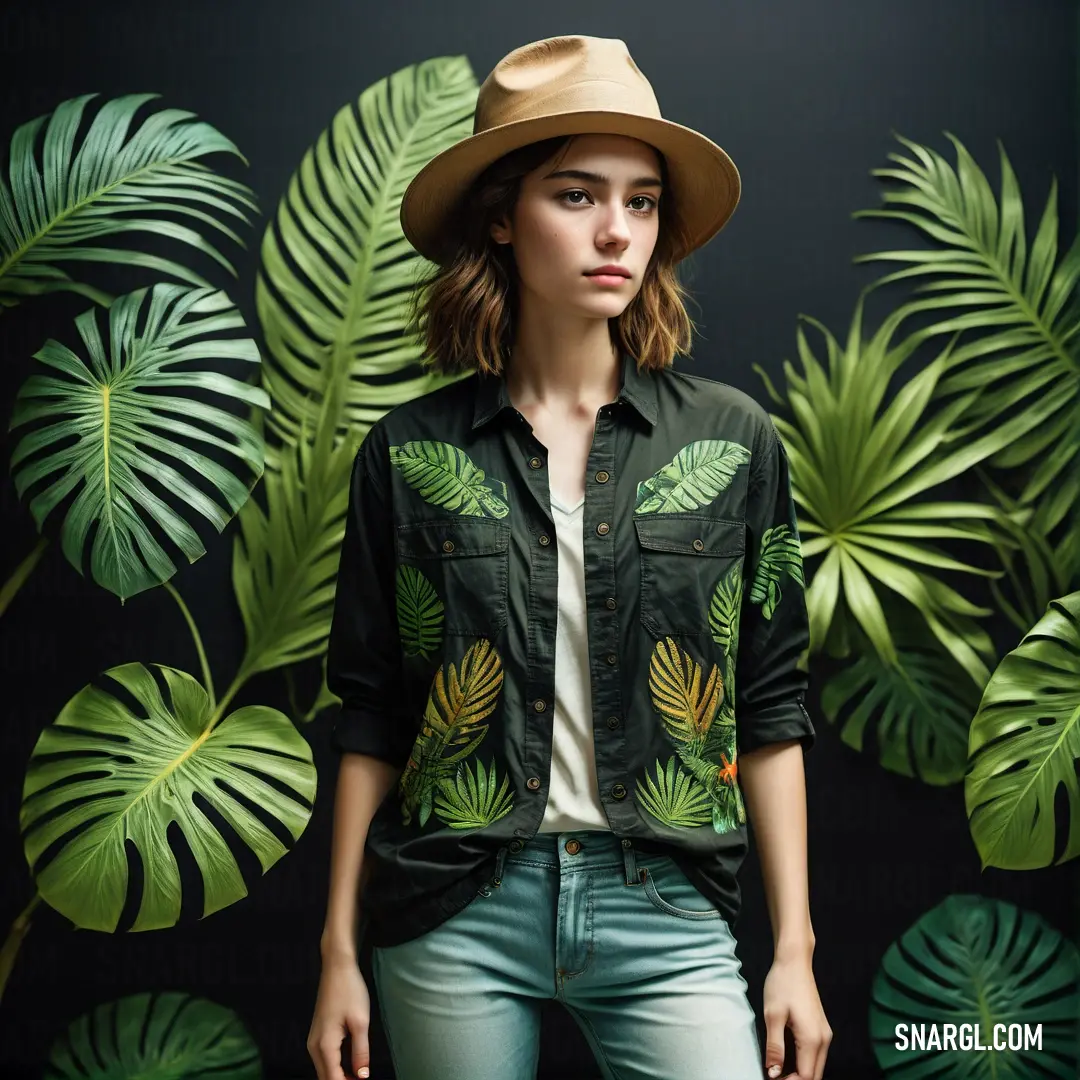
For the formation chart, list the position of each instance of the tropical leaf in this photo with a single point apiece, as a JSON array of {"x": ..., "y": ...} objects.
[
  {"x": 285, "y": 559},
  {"x": 103, "y": 779},
  {"x": 973, "y": 960},
  {"x": 112, "y": 419},
  {"x": 473, "y": 800},
  {"x": 419, "y": 612},
  {"x": 446, "y": 477},
  {"x": 724, "y": 608},
  {"x": 117, "y": 182},
  {"x": 1024, "y": 748},
  {"x": 692, "y": 479},
  {"x": 857, "y": 472},
  {"x": 1026, "y": 361},
  {"x": 456, "y": 705},
  {"x": 780, "y": 555},
  {"x": 918, "y": 710},
  {"x": 170, "y": 1033},
  {"x": 674, "y": 798},
  {"x": 720, "y": 780},
  {"x": 336, "y": 270},
  {"x": 687, "y": 707}
]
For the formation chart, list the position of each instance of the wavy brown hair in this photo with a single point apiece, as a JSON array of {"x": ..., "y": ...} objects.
[{"x": 465, "y": 311}]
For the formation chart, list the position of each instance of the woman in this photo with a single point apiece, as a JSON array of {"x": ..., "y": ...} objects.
[{"x": 555, "y": 572}]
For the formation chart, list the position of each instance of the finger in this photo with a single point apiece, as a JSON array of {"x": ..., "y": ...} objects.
[
  {"x": 774, "y": 1046},
  {"x": 806, "y": 1059},
  {"x": 823, "y": 1053},
  {"x": 361, "y": 1057},
  {"x": 331, "y": 1058}
]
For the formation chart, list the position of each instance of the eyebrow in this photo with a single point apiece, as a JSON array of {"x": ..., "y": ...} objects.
[{"x": 597, "y": 178}]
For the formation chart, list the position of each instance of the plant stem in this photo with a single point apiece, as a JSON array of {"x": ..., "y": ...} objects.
[
  {"x": 208, "y": 681},
  {"x": 19, "y": 929},
  {"x": 22, "y": 572}
]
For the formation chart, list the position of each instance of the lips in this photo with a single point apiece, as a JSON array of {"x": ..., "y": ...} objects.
[{"x": 608, "y": 271}]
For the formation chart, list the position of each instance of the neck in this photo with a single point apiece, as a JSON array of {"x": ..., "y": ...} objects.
[{"x": 563, "y": 366}]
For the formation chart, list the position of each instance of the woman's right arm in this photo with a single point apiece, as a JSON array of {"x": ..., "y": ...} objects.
[{"x": 343, "y": 1005}]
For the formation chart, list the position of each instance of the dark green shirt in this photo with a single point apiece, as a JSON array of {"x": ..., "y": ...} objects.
[{"x": 442, "y": 647}]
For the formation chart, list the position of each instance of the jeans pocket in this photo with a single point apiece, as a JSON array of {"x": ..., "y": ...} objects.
[{"x": 672, "y": 892}]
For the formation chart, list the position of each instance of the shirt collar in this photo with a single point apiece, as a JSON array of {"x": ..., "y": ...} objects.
[{"x": 637, "y": 389}]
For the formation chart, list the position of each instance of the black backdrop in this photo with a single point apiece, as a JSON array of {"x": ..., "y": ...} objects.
[{"x": 803, "y": 95}]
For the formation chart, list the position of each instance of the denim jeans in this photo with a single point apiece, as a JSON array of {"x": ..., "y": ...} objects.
[{"x": 623, "y": 940}]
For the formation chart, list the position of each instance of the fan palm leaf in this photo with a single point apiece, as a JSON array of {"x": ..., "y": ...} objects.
[
  {"x": 1027, "y": 361},
  {"x": 117, "y": 182},
  {"x": 857, "y": 467},
  {"x": 126, "y": 425},
  {"x": 333, "y": 288}
]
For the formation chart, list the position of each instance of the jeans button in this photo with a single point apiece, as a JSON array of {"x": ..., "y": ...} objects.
[{"x": 573, "y": 847}]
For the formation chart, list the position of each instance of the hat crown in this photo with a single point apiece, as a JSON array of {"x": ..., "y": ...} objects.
[{"x": 574, "y": 73}]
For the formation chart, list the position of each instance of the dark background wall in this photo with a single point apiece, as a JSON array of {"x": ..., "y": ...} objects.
[{"x": 803, "y": 95}]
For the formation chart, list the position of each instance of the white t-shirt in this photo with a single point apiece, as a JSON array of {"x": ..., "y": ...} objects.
[{"x": 573, "y": 795}]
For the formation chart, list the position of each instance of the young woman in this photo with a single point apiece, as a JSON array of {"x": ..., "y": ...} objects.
[{"x": 568, "y": 622}]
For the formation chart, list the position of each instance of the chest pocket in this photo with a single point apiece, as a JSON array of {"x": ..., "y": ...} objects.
[
  {"x": 683, "y": 558},
  {"x": 467, "y": 562}
]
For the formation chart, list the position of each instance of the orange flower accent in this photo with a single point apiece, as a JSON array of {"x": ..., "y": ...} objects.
[{"x": 728, "y": 773}]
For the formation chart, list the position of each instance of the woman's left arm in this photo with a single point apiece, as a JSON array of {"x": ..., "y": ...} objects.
[
  {"x": 774, "y": 788},
  {"x": 774, "y": 731}
]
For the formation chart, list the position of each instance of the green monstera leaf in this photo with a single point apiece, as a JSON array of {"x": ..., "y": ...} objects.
[
  {"x": 1024, "y": 747},
  {"x": 674, "y": 798},
  {"x": 446, "y": 477},
  {"x": 124, "y": 417},
  {"x": 336, "y": 269},
  {"x": 972, "y": 960},
  {"x": 419, "y": 612},
  {"x": 780, "y": 556},
  {"x": 473, "y": 800},
  {"x": 102, "y": 777},
  {"x": 171, "y": 1034},
  {"x": 119, "y": 182},
  {"x": 692, "y": 479}
]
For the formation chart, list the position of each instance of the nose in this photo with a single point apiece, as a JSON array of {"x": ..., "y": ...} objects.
[{"x": 614, "y": 228}]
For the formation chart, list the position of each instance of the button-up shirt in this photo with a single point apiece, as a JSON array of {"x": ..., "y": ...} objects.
[{"x": 442, "y": 646}]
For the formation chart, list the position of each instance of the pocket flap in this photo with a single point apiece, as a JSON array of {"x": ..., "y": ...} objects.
[
  {"x": 451, "y": 537},
  {"x": 688, "y": 535}
]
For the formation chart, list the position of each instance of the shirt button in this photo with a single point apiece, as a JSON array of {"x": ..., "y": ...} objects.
[
  {"x": 613, "y": 722},
  {"x": 573, "y": 847},
  {"x": 603, "y": 528},
  {"x": 612, "y": 658},
  {"x": 539, "y": 705},
  {"x": 698, "y": 545},
  {"x": 535, "y": 463},
  {"x": 448, "y": 545},
  {"x": 516, "y": 845},
  {"x": 543, "y": 539},
  {"x": 609, "y": 603},
  {"x": 602, "y": 477},
  {"x": 533, "y": 783},
  {"x": 618, "y": 791}
]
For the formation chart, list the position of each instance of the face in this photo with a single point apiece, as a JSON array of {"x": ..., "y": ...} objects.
[{"x": 598, "y": 205}]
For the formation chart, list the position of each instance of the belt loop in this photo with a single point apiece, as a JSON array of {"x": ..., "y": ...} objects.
[
  {"x": 500, "y": 861},
  {"x": 630, "y": 862}
]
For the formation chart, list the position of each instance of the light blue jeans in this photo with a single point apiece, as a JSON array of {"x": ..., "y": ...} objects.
[{"x": 623, "y": 940}]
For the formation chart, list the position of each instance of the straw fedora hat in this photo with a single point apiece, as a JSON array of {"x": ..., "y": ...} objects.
[{"x": 571, "y": 85}]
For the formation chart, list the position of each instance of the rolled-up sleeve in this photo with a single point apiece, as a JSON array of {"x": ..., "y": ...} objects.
[
  {"x": 364, "y": 664},
  {"x": 774, "y": 629}
]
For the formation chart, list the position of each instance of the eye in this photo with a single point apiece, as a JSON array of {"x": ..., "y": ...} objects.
[{"x": 650, "y": 202}]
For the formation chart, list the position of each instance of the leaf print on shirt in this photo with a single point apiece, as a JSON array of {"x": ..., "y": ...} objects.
[
  {"x": 675, "y": 797},
  {"x": 724, "y": 610},
  {"x": 419, "y": 612},
  {"x": 471, "y": 800},
  {"x": 456, "y": 705},
  {"x": 781, "y": 553},
  {"x": 692, "y": 479},
  {"x": 447, "y": 477},
  {"x": 703, "y": 725}
]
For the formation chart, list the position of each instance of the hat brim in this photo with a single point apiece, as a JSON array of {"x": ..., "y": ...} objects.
[{"x": 703, "y": 178}]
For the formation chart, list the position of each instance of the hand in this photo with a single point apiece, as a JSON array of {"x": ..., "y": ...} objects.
[
  {"x": 342, "y": 1007},
  {"x": 791, "y": 1000}
]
